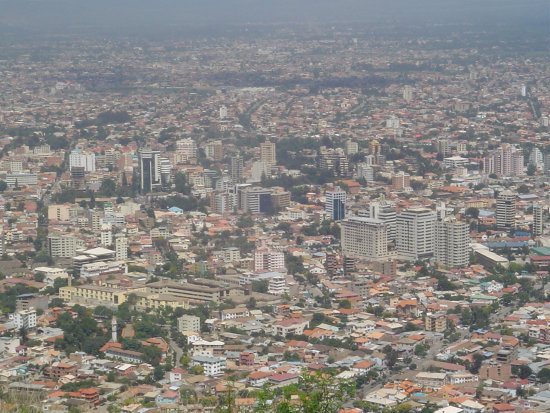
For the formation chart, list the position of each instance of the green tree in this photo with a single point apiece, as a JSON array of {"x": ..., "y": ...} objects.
[
  {"x": 544, "y": 375},
  {"x": 314, "y": 393}
]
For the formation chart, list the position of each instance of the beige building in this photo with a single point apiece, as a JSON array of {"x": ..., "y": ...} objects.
[{"x": 365, "y": 238}]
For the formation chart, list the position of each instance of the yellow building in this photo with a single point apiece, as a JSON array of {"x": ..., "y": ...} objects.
[{"x": 92, "y": 295}]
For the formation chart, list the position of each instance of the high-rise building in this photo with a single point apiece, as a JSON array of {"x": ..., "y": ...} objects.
[
  {"x": 223, "y": 112},
  {"x": 61, "y": 245},
  {"x": 106, "y": 235},
  {"x": 268, "y": 153},
  {"x": 365, "y": 171},
  {"x": 25, "y": 319},
  {"x": 364, "y": 238},
  {"x": 351, "y": 147},
  {"x": 506, "y": 210},
  {"x": 385, "y": 212},
  {"x": 187, "y": 147},
  {"x": 444, "y": 147},
  {"x": 335, "y": 204},
  {"x": 536, "y": 158},
  {"x": 334, "y": 159},
  {"x": 546, "y": 161},
  {"x": 149, "y": 170},
  {"x": 236, "y": 168},
  {"x": 374, "y": 147},
  {"x": 537, "y": 219},
  {"x": 416, "y": 234},
  {"x": 505, "y": 161},
  {"x": 121, "y": 247},
  {"x": 400, "y": 181},
  {"x": 452, "y": 243},
  {"x": 78, "y": 159},
  {"x": 266, "y": 260},
  {"x": 214, "y": 150},
  {"x": 256, "y": 200},
  {"x": 408, "y": 93}
]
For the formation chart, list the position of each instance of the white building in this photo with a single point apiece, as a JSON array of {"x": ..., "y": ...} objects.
[
  {"x": 537, "y": 219},
  {"x": 83, "y": 160},
  {"x": 94, "y": 269},
  {"x": 365, "y": 238},
  {"x": 277, "y": 285},
  {"x": 121, "y": 247},
  {"x": 62, "y": 245},
  {"x": 213, "y": 366},
  {"x": 452, "y": 243},
  {"x": 25, "y": 319},
  {"x": 416, "y": 234}
]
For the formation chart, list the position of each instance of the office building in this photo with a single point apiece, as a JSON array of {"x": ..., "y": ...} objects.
[
  {"x": 149, "y": 170},
  {"x": 506, "y": 210},
  {"x": 256, "y": 200},
  {"x": 21, "y": 180},
  {"x": 335, "y": 204},
  {"x": 452, "y": 246},
  {"x": 536, "y": 158},
  {"x": 364, "y": 238},
  {"x": 236, "y": 168},
  {"x": 416, "y": 234},
  {"x": 268, "y": 153},
  {"x": 537, "y": 219}
]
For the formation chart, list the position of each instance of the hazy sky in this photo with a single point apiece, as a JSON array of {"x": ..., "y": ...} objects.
[{"x": 159, "y": 15}]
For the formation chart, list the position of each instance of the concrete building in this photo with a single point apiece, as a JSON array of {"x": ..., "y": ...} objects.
[
  {"x": 416, "y": 234},
  {"x": 187, "y": 147},
  {"x": 189, "y": 323},
  {"x": 121, "y": 247},
  {"x": 256, "y": 200},
  {"x": 236, "y": 168},
  {"x": 505, "y": 161},
  {"x": 268, "y": 153},
  {"x": 84, "y": 160},
  {"x": 537, "y": 219},
  {"x": 25, "y": 319},
  {"x": 506, "y": 210},
  {"x": 149, "y": 170},
  {"x": 61, "y": 245},
  {"x": 452, "y": 243},
  {"x": 266, "y": 260},
  {"x": 365, "y": 238},
  {"x": 335, "y": 204}
]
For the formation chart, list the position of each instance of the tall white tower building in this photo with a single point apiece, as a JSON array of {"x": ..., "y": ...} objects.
[
  {"x": 452, "y": 246},
  {"x": 416, "y": 234}
]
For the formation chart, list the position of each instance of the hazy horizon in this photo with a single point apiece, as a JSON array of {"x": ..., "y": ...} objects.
[{"x": 146, "y": 16}]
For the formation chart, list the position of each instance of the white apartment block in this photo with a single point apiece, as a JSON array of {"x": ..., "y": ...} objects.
[
  {"x": 365, "y": 238},
  {"x": 416, "y": 234},
  {"x": 452, "y": 247},
  {"x": 25, "y": 319},
  {"x": 84, "y": 160}
]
